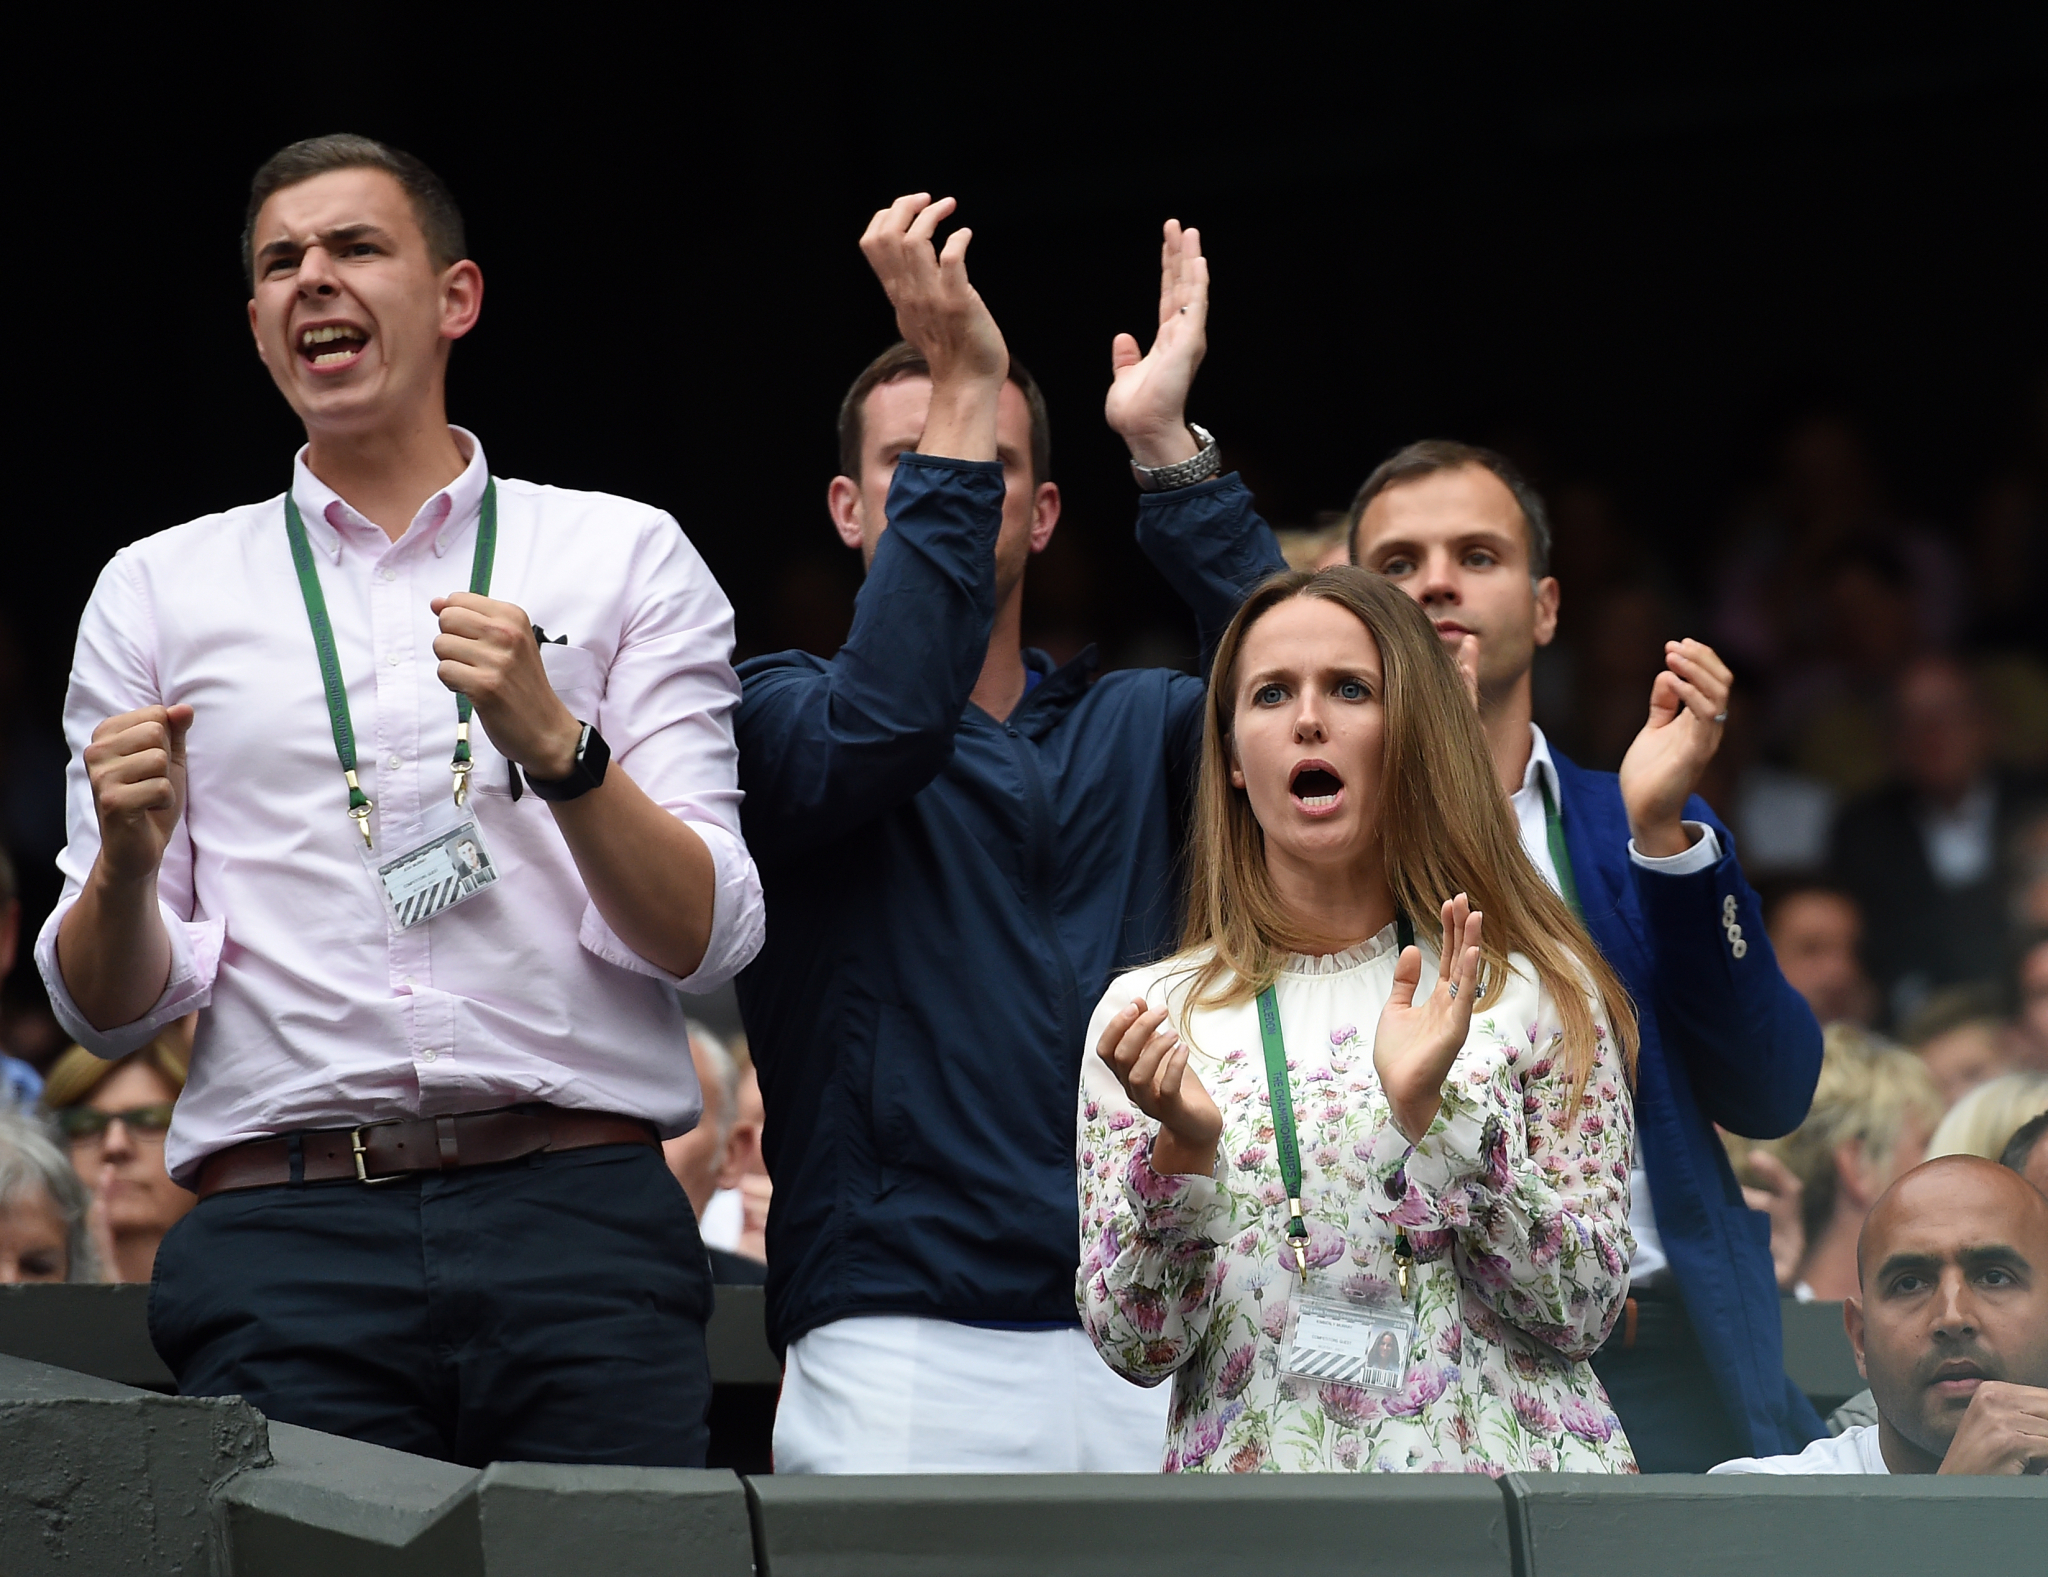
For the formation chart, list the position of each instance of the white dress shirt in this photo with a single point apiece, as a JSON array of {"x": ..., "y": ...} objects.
[
  {"x": 1854, "y": 1450},
  {"x": 316, "y": 1014},
  {"x": 1706, "y": 850}
]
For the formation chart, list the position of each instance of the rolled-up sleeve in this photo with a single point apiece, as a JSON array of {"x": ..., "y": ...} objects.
[
  {"x": 668, "y": 716},
  {"x": 113, "y": 670}
]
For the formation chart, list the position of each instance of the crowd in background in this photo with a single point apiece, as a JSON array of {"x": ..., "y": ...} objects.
[{"x": 1885, "y": 771}]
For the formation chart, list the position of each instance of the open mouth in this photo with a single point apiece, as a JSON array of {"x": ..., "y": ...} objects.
[
  {"x": 1315, "y": 787},
  {"x": 332, "y": 344}
]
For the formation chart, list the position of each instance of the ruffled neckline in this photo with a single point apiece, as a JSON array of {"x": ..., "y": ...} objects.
[{"x": 1366, "y": 952}]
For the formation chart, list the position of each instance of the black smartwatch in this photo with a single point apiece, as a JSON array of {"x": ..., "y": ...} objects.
[{"x": 593, "y": 755}]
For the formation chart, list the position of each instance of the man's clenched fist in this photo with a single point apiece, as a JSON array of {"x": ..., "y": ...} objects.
[
  {"x": 136, "y": 763},
  {"x": 487, "y": 652}
]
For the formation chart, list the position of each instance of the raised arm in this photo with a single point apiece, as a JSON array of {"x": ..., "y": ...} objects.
[
  {"x": 826, "y": 747},
  {"x": 1151, "y": 1209},
  {"x": 1530, "y": 1192},
  {"x": 1207, "y": 539},
  {"x": 1749, "y": 1042}
]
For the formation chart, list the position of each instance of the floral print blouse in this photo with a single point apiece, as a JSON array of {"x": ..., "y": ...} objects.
[{"x": 1516, "y": 1211}]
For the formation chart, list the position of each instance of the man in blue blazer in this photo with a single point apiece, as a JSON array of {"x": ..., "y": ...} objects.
[{"x": 1695, "y": 1368}]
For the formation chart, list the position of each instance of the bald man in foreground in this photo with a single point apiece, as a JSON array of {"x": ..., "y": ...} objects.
[{"x": 1951, "y": 1329}]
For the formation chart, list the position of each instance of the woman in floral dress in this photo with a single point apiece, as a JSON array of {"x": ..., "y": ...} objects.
[{"x": 1470, "y": 1140}]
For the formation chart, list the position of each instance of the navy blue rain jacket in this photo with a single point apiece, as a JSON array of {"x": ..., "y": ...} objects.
[{"x": 948, "y": 897}]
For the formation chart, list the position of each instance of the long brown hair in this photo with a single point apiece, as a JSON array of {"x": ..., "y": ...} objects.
[{"x": 1445, "y": 828}]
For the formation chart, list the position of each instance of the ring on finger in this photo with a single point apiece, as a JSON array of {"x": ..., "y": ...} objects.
[
  {"x": 1720, "y": 717},
  {"x": 1454, "y": 990}
]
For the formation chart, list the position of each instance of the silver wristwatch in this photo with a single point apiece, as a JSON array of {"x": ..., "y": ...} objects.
[{"x": 1205, "y": 463}]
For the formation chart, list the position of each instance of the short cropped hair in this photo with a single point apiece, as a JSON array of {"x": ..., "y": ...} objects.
[
  {"x": 1432, "y": 455},
  {"x": 433, "y": 205},
  {"x": 904, "y": 360},
  {"x": 1868, "y": 1087},
  {"x": 2019, "y": 1149},
  {"x": 30, "y": 1160},
  {"x": 725, "y": 1068}
]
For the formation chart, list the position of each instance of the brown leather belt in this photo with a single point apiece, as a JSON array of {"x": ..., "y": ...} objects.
[{"x": 384, "y": 1152}]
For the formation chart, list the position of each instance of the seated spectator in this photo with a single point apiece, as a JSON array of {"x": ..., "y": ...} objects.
[
  {"x": 705, "y": 1162},
  {"x": 1921, "y": 854},
  {"x": 1950, "y": 1327},
  {"x": 1983, "y": 1120},
  {"x": 1817, "y": 934},
  {"x": 43, "y": 1234},
  {"x": 755, "y": 1188},
  {"x": 1319, "y": 546},
  {"x": 1872, "y": 1115},
  {"x": 2029, "y": 1032},
  {"x": 2025, "y": 1154},
  {"x": 1961, "y": 1037},
  {"x": 20, "y": 1084},
  {"x": 1460, "y": 1171},
  {"x": 115, "y": 1114}
]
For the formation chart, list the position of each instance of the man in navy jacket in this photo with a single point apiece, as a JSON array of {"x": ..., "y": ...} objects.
[
  {"x": 1695, "y": 1366},
  {"x": 960, "y": 846}
]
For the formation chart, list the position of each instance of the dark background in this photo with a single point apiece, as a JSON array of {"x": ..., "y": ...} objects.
[{"x": 1630, "y": 258}]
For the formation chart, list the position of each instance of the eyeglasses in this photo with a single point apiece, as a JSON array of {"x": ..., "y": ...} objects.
[{"x": 88, "y": 1125}]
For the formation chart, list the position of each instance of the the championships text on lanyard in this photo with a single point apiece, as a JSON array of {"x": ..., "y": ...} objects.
[
  {"x": 359, "y": 804},
  {"x": 1287, "y": 1147}
]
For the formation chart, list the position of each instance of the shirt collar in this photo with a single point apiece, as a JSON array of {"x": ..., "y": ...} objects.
[
  {"x": 327, "y": 514},
  {"x": 1540, "y": 764}
]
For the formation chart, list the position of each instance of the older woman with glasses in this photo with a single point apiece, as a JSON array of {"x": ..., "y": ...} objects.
[{"x": 114, "y": 1114}]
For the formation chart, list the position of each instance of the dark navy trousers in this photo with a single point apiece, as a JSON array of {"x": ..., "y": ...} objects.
[{"x": 550, "y": 1309}]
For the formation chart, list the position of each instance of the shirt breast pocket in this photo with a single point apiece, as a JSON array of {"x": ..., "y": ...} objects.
[{"x": 576, "y": 676}]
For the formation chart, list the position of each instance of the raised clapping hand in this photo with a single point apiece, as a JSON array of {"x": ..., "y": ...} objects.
[
  {"x": 1688, "y": 704},
  {"x": 1150, "y": 1060},
  {"x": 136, "y": 765},
  {"x": 1148, "y": 396},
  {"x": 937, "y": 310},
  {"x": 1416, "y": 1042},
  {"x": 2004, "y": 1430}
]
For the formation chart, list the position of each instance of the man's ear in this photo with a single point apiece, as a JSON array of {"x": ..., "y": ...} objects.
[
  {"x": 1852, "y": 1322},
  {"x": 258, "y": 338},
  {"x": 1045, "y": 514},
  {"x": 843, "y": 503},
  {"x": 1548, "y": 595},
  {"x": 462, "y": 299}
]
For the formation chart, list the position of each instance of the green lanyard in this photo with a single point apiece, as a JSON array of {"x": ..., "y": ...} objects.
[
  {"x": 1560, "y": 856},
  {"x": 1285, "y": 1143},
  {"x": 359, "y": 805}
]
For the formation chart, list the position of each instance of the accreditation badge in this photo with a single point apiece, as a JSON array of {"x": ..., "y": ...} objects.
[
  {"x": 449, "y": 866},
  {"x": 1332, "y": 1337}
]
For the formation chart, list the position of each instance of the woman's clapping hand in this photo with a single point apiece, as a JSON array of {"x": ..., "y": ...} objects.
[
  {"x": 1150, "y": 1060},
  {"x": 1417, "y": 1042}
]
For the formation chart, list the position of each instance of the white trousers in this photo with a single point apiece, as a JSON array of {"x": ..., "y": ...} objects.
[{"x": 891, "y": 1393}]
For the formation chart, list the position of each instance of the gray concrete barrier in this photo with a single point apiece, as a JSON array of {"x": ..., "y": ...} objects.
[
  {"x": 1679, "y": 1525},
  {"x": 1127, "y": 1525},
  {"x": 100, "y": 1479}
]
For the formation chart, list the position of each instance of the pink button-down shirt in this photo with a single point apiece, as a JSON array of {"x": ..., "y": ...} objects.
[{"x": 314, "y": 1014}]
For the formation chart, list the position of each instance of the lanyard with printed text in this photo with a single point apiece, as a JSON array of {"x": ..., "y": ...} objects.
[
  {"x": 1560, "y": 856},
  {"x": 1286, "y": 1146},
  {"x": 359, "y": 805}
]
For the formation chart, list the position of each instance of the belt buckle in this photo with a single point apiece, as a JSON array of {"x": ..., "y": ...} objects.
[{"x": 361, "y": 1154}]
